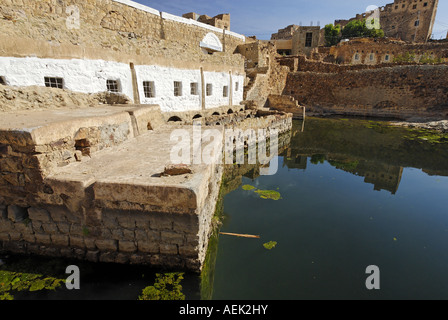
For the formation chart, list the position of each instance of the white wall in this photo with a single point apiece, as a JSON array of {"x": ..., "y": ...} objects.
[
  {"x": 164, "y": 87},
  {"x": 86, "y": 76},
  {"x": 90, "y": 76}
]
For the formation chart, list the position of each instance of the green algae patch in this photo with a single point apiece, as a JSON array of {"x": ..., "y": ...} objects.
[
  {"x": 429, "y": 136},
  {"x": 15, "y": 282},
  {"x": 264, "y": 194},
  {"x": 270, "y": 245},
  {"x": 269, "y": 194},
  {"x": 166, "y": 287}
]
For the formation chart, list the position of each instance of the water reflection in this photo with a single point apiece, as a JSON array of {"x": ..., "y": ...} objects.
[
  {"x": 374, "y": 150},
  {"x": 354, "y": 193}
]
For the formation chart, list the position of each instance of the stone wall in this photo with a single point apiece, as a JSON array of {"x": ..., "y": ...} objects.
[
  {"x": 402, "y": 91},
  {"x": 286, "y": 104},
  {"x": 160, "y": 240},
  {"x": 120, "y": 31},
  {"x": 378, "y": 51},
  {"x": 265, "y": 75}
]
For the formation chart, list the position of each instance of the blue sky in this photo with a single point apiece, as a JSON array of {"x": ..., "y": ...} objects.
[{"x": 262, "y": 17}]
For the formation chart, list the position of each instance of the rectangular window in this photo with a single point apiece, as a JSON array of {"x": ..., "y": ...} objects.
[
  {"x": 194, "y": 91},
  {"x": 209, "y": 89},
  {"x": 54, "y": 82},
  {"x": 417, "y": 23},
  {"x": 177, "y": 88},
  {"x": 225, "y": 91},
  {"x": 2, "y": 81},
  {"x": 387, "y": 57},
  {"x": 372, "y": 57},
  {"x": 149, "y": 89},
  {"x": 113, "y": 86},
  {"x": 309, "y": 39},
  {"x": 237, "y": 86}
]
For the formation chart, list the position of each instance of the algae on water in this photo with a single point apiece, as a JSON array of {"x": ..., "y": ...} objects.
[
  {"x": 269, "y": 194},
  {"x": 270, "y": 245},
  {"x": 264, "y": 194},
  {"x": 15, "y": 282},
  {"x": 166, "y": 287}
]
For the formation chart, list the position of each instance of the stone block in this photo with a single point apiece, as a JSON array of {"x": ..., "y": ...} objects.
[
  {"x": 60, "y": 240},
  {"x": 63, "y": 227},
  {"x": 122, "y": 258},
  {"x": 15, "y": 236},
  {"x": 161, "y": 222},
  {"x": 128, "y": 234},
  {"x": 172, "y": 237},
  {"x": 3, "y": 212},
  {"x": 43, "y": 238},
  {"x": 77, "y": 242},
  {"x": 4, "y": 236},
  {"x": 92, "y": 256},
  {"x": 148, "y": 247},
  {"x": 126, "y": 221},
  {"x": 139, "y": 259},
  {"x": 127, "y": 246},
  {"x": 17, "y": 214},
  {"x": 107, "y": 245},
  {"x": 169, "y": 249},
  {"x": 39, "y": 214},
  {"x": 90, "y": 243},
  {"x": 107, "y": 257},
  {"x": 58, "y": 214},
  {"x": 29, "y": 237},
  {"x": 188, "y": 251},
  {"x": 50, "y": 228}
]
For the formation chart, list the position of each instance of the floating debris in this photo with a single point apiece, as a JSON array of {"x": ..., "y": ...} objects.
[{"x": 240, "y": 235}]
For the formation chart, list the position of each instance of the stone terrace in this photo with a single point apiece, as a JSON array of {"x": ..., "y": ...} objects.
[{"x": 90, "y": 184}]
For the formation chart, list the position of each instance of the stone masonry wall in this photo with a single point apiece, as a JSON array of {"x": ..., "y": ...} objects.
[
  {"x": 402, "y": 91},
  {"x": 116, "y": 236},
  {"x": 107, "y": 29}
]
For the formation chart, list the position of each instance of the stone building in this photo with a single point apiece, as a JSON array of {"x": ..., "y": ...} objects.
[
  {"x": 221, "y": 21},
  {"x": 285, "y": 33},
  {"x": 122, "y": 47},
  {"x": 294, "y": 40},
  {"x": 408, "y": 20}
]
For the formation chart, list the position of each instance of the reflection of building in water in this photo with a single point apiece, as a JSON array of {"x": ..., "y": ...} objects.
[
  {"x": 383, "y": 176},
  {"x": 388, "y": 179},
  {"x": 294, "y": 161}
]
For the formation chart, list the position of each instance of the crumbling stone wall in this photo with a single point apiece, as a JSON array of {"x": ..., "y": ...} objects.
[
  {"x": 378, "y": 51},
  {"x": 265, "y": 75},
  {"x": 402, "y": 91}
]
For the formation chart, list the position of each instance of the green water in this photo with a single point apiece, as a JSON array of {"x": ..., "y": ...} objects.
[
  {"x": 348, "y": 194},
  {"x": 353, "y": 194}
]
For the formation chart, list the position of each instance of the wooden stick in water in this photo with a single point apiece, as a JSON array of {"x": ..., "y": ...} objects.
[{"x": 240, "y": 235}]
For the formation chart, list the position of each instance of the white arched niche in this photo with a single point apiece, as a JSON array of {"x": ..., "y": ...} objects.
[{"x": 211, "y": 43}]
